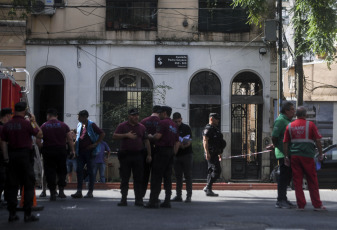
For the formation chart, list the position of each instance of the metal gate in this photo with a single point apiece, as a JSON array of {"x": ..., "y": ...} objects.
[{"x": 246, "y": 126}]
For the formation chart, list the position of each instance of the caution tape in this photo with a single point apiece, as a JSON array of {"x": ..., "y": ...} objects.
[{"x": 246, "y": 155}]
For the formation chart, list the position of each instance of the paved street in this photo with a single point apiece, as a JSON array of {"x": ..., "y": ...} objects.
[{"x": 240, "y": 209}]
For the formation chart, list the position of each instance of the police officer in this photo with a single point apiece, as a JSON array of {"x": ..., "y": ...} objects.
[
  {"x": 214, "y": 145},
  {"x": 18, "y": 134},
  {"x": 167, "y": 143},
  {"x": 150, "y": 124},
  {"x": 55, "y": 134},
  {"x": 5, "y": 116},
  {"x": 183, "y": 159},
  {"x": 133, "y": 136}
]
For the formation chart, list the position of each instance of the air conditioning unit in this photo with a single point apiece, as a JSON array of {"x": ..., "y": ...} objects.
[{"x": 45, "y": 7}]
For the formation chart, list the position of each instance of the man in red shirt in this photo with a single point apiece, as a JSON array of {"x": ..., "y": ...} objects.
[
  {"x": 18, "y": 134},
  {"x": 167, "y": 143},
  {"x": 302, "y": 135},
  {"x": 55, "y": 135},
  {"x": 133, "y": 138}
]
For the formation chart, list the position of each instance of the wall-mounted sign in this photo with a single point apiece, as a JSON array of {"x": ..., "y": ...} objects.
[{"x": 171, "y": 61}]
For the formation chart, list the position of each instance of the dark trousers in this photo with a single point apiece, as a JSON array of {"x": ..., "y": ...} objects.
[
  {"x": 214, "y": 170},
  {"x": 147, "y": 170},
  {"x": 183, "y": 166},
  {"x": 20, "y": 172},
  {"x": 131, "y": 162},
  {"x": 54, "y": 163},
  {"x": 283, "y": 181},
  {"x": 2, "y": 178},
  {"x": 85, "y": 158},
  {"x": 161, "y": 168}
]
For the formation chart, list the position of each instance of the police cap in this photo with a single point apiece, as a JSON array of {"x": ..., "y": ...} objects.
[
  {"x": 133, "y": 111},
  {"x": 215, "y": 115},
  {"x": 20, "y": 106}
]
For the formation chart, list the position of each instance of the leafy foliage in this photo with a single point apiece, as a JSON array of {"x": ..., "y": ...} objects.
[{"x": 314, "y": 21}]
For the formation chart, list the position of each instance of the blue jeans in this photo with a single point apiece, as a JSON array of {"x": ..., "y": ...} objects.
[
  {"x": 85, "y": 157},
  {"x": 101, "y": 168}
]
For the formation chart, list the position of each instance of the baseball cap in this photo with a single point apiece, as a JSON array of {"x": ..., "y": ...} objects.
[
  {"x": 133, "y": 111},
  {"x": 215, "y": 115},
  {"x": 6, "y": 111}
]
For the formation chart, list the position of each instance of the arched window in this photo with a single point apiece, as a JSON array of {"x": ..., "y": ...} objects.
[{"x": 120, "y": 91}]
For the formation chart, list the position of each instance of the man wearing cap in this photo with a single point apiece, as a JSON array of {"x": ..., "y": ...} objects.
[
  {"x": 133, "y": 137},
  {"x": 18, "y": 134},
  {"x": 214, "y": 145},
  {"x": 5, "y": 116},
  {"x": 55, "y": 135},
  {"x": 150, "y": 124},
  {"x": 87, "y": 146},
  {"x": 167, "y": 142},
  {"x": 183, "y": 159}
]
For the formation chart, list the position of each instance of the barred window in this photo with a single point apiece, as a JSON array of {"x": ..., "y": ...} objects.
[{"x": 131, "y": 15}]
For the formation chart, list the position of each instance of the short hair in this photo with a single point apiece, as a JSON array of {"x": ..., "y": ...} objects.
[
  {"x": 74, "y": 130},
  {"x": 20, "y": 106},
  {"x": 167, "y": 109},
  {"x": 301, "y": 111},
  {"x": 83, "y": 113},
  {"x": 5, "y": 111},
  {"x": 52, "y": 111},
  {"x": 156, "y": 109},
  {"x": 286, "y": 106},
  {"x": 176, "y": 115}
]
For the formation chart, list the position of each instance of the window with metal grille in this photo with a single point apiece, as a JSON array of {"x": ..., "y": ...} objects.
[
  {"x": 220, "y": 16},
  {"x": 131, "y": 15}
]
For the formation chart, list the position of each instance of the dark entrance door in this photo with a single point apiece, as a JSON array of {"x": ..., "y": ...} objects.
[
  {"x": 246, "y": 126},
  {"x": 48, "y": 93},
  {"x": 205, "y": 98}
]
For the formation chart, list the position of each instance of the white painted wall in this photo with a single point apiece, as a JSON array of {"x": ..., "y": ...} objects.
[{"x": 82, "y": 85}]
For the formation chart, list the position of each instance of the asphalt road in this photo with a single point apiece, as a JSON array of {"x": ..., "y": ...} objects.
[{"x": 232, "y": 210}]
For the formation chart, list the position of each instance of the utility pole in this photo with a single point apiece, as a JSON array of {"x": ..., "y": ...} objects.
[{"x": 280, "y": 46}]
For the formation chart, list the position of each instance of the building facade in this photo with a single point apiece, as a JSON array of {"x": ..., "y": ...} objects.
[{"x": 107, "y": 55}]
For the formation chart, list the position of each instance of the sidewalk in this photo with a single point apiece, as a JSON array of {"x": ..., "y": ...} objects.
[{"x": 196, "y": 186}]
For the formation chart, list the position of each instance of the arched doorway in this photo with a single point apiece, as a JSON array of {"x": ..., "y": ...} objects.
[
  {"x": 48, "y": 93},
  {"x": 246, "y": 125},
  {"x": 205, "y": 98},
  {"x": 121, "y": 90}
]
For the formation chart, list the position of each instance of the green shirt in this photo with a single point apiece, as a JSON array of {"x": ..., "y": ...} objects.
[{"x": 279, "y": 128}]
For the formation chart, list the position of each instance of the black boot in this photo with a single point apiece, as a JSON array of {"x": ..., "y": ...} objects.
[
  {"x": 30, "y": 218},
  {"x": 177, "y": 199},
  {"x": 52, "y": 195},
  {"x": 61, "y": 193},
  {"x": 166, "y": 203},
  {"x": 123, "y": 202},
  {"x": 13, "y": 217}
]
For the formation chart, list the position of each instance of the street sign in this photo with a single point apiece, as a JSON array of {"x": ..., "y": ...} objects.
[{"x": 171, "y": 61}]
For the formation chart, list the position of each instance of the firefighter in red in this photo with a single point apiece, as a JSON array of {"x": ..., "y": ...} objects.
[{"x": 299, "y": 142}]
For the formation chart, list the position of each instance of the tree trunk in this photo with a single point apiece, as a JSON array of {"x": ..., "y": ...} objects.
[{"x": 299, "y": 79}]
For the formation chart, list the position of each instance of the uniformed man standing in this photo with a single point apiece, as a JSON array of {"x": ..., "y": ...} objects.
[
  {"x": 150, "y": 124},
  {"x": 183, "y": 159},
  {"x": 55, "y": 135},
  {"x": 133, "y": 137},
  {"x": 214, "y": 145},
  {"x": 167, "y": 144},
  {"x": 5, "y": 116},
  {"x": 18, "y": 134}
]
